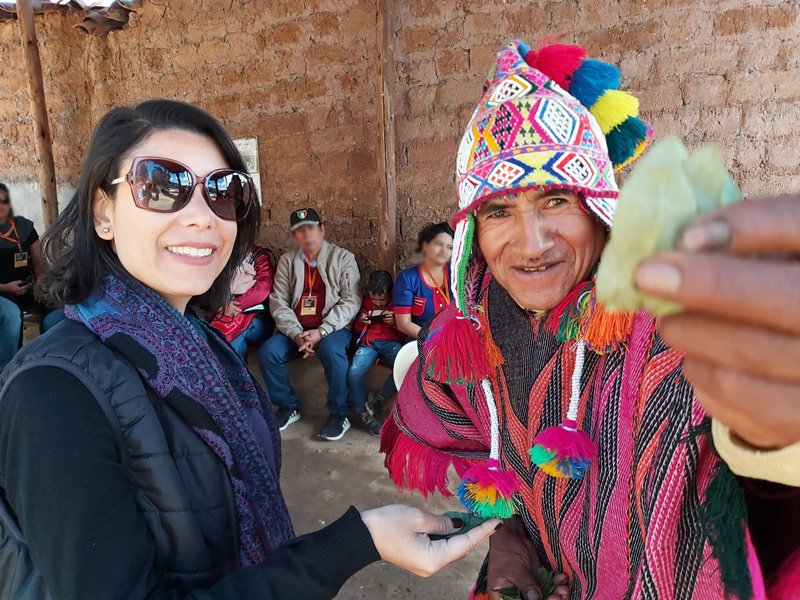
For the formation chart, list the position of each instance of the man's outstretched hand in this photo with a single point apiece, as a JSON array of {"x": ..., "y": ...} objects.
[{"x": 738, "y": 276}]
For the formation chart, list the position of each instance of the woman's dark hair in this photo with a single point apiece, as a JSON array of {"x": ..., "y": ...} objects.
[
  {"x": 380, "y": 282},
  {"x": 430, "y": 231},
  {"x": 4, "y": 188},
  {"x": 77, "y": 259}
]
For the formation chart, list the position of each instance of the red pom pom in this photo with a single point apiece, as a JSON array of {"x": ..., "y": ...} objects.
[
  {"x": 557, "y": 61},
  {"x": 456, "y": 353}
]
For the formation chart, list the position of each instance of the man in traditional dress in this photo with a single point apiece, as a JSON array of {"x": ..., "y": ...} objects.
[{"x": 579, "y": 426}]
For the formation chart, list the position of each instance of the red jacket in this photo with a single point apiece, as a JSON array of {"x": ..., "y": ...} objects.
[
  {"x": 232, "y": 327},
  {"x": 376, "y": 331}
]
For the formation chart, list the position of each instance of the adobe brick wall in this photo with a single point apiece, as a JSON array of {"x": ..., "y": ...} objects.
[
  {"x": 298, "y": 75},
  {"x": 721, "y": 70},
  {"x": 301, "y": 76}
]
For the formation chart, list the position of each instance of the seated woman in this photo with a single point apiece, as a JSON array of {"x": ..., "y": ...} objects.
[
  {"x": 20, "y": 264},
  {"x": 246, "y": 320},
  {"x": 422, "y": 291},
  {"x": 140, "y": 457}
]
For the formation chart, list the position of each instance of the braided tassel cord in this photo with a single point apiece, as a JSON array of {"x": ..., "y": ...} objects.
[
  {"x": 487, "y": 489},
  {"x": 564, "y": 450}
]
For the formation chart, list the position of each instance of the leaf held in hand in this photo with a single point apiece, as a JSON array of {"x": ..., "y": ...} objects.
[
  {"x": 667, "y": 189},
  {"x": 544, "y": 577},
  {"x": 470, "y": 522}
]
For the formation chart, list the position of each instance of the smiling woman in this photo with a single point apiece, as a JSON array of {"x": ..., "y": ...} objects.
[{"x": 133, "y": 429}]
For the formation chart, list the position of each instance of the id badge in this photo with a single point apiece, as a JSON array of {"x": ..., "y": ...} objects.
[
  {"x": 20, "y": 260},
  {"x": 309, "y": 307}
]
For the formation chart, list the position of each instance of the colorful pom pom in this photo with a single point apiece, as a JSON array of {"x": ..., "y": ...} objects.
[
  {"x": 558, "y": 61},
  {"x": 613, "y": 107},
  {"x": 639, "y": 151},
  {"x": 456, "y": 352},
  {"x": 488, "y": 491},
  {"x": 563, "y": 451},
  {"x": 592, "y": 79},
  {"x": 624, "y": 140}
]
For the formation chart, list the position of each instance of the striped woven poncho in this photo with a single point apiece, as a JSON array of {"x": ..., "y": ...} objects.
[{"x": 658, "y": 515}]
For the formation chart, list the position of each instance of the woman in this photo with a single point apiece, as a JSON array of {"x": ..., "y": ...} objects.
[
  {"x": 241, "y": 325},
  {"x": 422, "y": 291},
  {"x": 132, "y": 429},
  {"x": 20, "y": 264}
]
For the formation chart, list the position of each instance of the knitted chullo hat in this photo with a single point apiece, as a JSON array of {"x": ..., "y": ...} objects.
[{"x": 547, "y": 119}]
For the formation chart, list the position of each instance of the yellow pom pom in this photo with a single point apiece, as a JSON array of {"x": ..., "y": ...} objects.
[{"x": 613, "y": 107}]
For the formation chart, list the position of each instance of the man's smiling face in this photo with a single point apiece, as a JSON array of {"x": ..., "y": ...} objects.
[{"x": 539, "y": 245}]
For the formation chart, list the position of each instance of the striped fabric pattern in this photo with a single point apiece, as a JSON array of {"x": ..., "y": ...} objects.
[{"x": 632, "y": 528}]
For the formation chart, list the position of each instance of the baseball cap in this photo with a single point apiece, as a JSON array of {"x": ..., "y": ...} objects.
[{"x": 304, "y": 216}]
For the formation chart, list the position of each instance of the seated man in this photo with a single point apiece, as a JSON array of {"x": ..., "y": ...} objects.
[{"x": 315, "y": 297}]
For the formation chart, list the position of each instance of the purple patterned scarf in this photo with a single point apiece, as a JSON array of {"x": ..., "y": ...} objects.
[{"x": 202, "y": 378}]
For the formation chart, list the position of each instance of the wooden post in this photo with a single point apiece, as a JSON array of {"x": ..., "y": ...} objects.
[
  {"x": 387, "y": 224},
  {"x": 44, "y": 144}
]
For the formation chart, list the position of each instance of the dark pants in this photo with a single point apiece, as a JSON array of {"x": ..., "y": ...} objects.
[
  {"x": 363, "y": 360},
  {"x": 256, "y": 334},
  {"x": 332, "y": 352}
]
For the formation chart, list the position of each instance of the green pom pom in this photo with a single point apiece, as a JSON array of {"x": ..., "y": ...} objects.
[
  {"x": 541, "y": 455},
  {"x": 503, "y": 508}
]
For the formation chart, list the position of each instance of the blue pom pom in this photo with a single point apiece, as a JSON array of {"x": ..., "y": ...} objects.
[
  {"x": 623, "y": 140},
  {"x": 593, "y": 78}
]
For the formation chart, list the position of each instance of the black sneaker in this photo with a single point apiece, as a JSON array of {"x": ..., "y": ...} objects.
[
  {"x": 372, "y": 424},
  {"x": 375, "y": 404},
  {"x": 335, "y": 428},
  {"x": 287, "y": 416}
]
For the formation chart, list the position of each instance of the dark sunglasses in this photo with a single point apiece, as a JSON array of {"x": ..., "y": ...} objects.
[{"x": 166, "y": 186}]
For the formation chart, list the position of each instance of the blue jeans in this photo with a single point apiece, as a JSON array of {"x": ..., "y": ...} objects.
[
  {"x": 363, "y": 360},
  {"x": 332, "y": 352},
  {"x": 255, "y": 335},
  {"x": 10, "y": 330}
]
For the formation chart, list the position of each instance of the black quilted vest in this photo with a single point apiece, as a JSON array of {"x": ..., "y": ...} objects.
[{"x": 181, "y": 487}]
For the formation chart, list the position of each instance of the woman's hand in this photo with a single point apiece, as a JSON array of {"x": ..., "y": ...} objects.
[
  {"x": 738, "y": 277},
  {"x": 400, "y": 534},
  {"x": 513, "y": 562}
]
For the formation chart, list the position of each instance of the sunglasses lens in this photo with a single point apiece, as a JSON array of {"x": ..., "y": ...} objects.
[
  {"x": 161, "y": 186},
  {"x": 229, "y": 194}
]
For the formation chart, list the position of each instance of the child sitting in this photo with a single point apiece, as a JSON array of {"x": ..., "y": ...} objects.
[{"x": 377, "y": 337}]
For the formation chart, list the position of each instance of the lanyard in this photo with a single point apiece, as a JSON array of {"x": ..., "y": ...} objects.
[
  {"x": 15, "y": 238},
  {"x": 444, "y": 294},
  {"x": 312, "y": 278}
]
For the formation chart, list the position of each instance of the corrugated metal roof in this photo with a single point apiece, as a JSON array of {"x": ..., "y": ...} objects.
[{"x": 100, "y": 16}]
